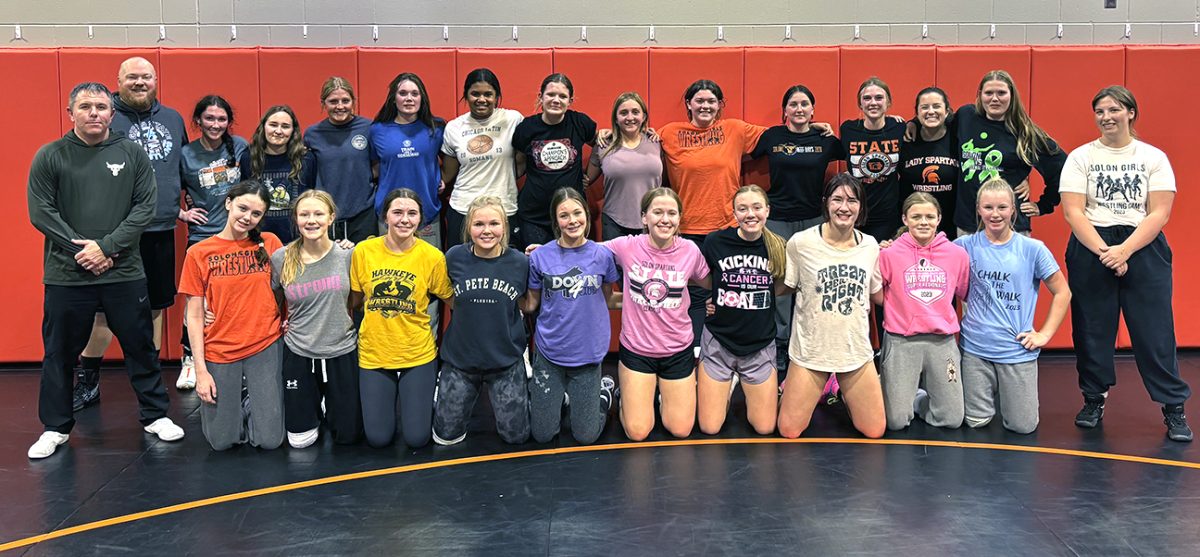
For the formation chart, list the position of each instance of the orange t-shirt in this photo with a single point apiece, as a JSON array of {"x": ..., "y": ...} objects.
[
  {"x": 238, "y": 291},
  {"x": 705, "y": 166}
]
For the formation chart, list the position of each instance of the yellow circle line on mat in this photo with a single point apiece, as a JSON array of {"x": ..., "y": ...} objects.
[{"x": 568, "y": 450}]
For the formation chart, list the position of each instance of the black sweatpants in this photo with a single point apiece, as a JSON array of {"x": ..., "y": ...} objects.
[
  {"x": 407, "y": 392},
  {"x": 68, "y": 314},
  {"x": 307, "y": 380},
  {"x": 1144, "y": 296}
]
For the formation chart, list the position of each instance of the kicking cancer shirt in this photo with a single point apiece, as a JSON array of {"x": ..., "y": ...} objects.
[
  {"x": 743, "y": 292},
  {"x": 237, "y": 289},
  {"x": 654, "y": 316},
  {"x": 396, "y": 287}
]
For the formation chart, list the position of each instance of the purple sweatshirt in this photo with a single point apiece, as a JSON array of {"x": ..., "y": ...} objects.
[{"x": 920, "y": 283}]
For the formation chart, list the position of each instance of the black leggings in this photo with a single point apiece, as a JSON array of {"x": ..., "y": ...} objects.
[{"x": 407, "y": 392}]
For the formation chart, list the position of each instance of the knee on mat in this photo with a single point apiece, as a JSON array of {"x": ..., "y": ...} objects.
[
  {"x": 976, "y": 423},
  {"x": 1024, "y": 427}
]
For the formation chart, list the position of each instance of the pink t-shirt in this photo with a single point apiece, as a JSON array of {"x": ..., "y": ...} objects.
[
  {"x": 920, "y": 283},
  {"x": 654, "y": 315}
]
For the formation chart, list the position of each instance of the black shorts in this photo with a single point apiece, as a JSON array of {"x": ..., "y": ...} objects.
[
  {"x": 675, "y": 366},
  {"x": 158, "y": 259},
  {"x": 356, "y": 228}
]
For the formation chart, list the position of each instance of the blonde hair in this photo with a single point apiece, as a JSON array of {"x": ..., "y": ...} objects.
[
  {"x": 776, "y": 245},
  {"x": 1031, "y": 139},
  {"x": 293, "y": 265},
  {"x": 333, "y": 84},
  {"x": 486, "y": 202},
  {"x": 997, "y": 185},
  {"x": 615, "y": 143}
]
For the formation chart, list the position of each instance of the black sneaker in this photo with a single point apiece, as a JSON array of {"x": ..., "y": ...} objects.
[
  {"x": 1092, "y": 412},
  {"x": 87, "y": 389},
  {"x": 1177, "y": 428}
]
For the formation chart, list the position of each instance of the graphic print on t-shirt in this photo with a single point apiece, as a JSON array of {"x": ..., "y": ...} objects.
[
  {"x": 219, "y": 172},
  {"x": 655, "y": 287},
  {"x": 874, "y": 160},
  {"x": 391, "y": 292},
  {"x": 981, "y": 163},
  {"x": 154, "y": 138},
  {"x": 841, "y": 286},
  {"x": 925, "y": 282},
  {"x": 571, "y": 284},
  {"x": 553, "y": 154},
  {"x": 692, "y": 138},
  {"x": 749, "y": 280},
  {"x": 997, "y": 284},
  {"x": 1119, "y": 187},
  {"x": 931, "y": 175},
  {"x": 463, "y": 290}
]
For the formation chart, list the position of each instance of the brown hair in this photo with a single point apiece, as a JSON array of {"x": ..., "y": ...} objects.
[
  {"x": 1123, "y": 97},
  {"x": 856, "y": 189},
  {"x": 1031, "y": 139}
]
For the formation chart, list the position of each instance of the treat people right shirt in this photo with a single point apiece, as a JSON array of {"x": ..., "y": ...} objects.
[
  {"x": 485, "y": 158},
  {"x": 831, "y": 331},
  {"x": 654, "y": 314}
]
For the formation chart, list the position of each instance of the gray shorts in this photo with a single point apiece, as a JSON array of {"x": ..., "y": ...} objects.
[{"x": 720, "y": 364}]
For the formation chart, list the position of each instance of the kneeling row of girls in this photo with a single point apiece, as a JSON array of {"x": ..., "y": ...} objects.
[{"x": 280, "y": 352}]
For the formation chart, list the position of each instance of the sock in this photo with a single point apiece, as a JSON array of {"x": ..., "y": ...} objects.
[{"x": 91, "y": 369}]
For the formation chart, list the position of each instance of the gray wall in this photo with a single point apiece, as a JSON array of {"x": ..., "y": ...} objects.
[{"x": 540, "y": 23}]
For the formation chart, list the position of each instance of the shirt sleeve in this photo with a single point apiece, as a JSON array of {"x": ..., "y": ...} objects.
[
  {"x": 1045, "y": 264},
  {"x": 751, "y": 133},
  {"x": 439, "y": 279},
  {"x": 760, "y": 147},
  {"x": 448, "y": 146},
  {"x": 611, "y": 276},
  {"x": 791, "y": 275},
  {"x": 1074, "y": 173},
  {"x": 357, "y": 266},
  {"x": 1162, "y": 176},
  {"x": 535, "y": 272},
  {"x": 589, "y": 128},
  {"x": 699, "y": 266},
  {"x": 964, "y": 275},
  {"x": 193, "y": 277},
  {"x": 1050, "y": 166},
  {"x": 42, "y": 198}
]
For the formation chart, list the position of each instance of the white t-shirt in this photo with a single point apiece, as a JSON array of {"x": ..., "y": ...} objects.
[
  {"x": 1117, "y": 182},
  {"x": 485, "y": 157},
  {"x": 831, "y": 328}
]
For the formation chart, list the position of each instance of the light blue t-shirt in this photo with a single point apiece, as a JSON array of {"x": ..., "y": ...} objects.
[{"x": 1003, "y": 295}]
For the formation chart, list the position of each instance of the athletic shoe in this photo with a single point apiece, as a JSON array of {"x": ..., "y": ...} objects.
[
  {"x": 165, "y": 429},
  {"x": 528, "y": 366},
  {"x": 608, "y": 392},
  {"x": 187, "y": 374},
  {"x": 1177, "y": 428},
  {"x": 47, "y": 444},
  {"x": 303, "y": 439},
  {"x": 1092, "y": 412},
  {"x": 87, "y": 389},
  {"x": 733, "y": 383}
]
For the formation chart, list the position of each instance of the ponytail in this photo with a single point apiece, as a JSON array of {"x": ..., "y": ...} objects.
[{"x": 261, "y": 256}]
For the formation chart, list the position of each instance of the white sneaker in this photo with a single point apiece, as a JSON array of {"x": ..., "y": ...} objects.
[
  {"x": 303, "y": 439},
  {"x": 187, "y": 375},
  {"x": 47, "y": 444},
  {"x": 165, "y": 429}
]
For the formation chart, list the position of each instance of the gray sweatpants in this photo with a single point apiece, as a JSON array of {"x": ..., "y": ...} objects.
[
  {"x": 910, "y": 360},
  {"x": 1015, "y": 383},
  {"x": 550, "y": 381},
  {"x": 262, "y": 376}
]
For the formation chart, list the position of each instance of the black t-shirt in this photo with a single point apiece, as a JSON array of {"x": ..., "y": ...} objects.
[
  {"x": 743, "y": 292},
  {"x": 873, "y": 156},
  {"x": 797, "y": 162},
  {"x": 987, "y": 151},
  {"x": 486, "y": 329},
  {"x": 932, "y": 167},
  {"x": 553, "y": 159}
]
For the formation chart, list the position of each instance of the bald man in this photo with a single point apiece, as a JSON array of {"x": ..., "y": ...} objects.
[{"x": 161, "y": 133}]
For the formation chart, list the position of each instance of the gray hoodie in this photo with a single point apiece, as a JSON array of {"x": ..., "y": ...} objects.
[
  {"x": 103, "y": 192},
  {"x": 162, "y": 134}
]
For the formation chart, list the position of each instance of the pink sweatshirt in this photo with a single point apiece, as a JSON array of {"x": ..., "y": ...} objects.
[{"x": 920, "y": 283}]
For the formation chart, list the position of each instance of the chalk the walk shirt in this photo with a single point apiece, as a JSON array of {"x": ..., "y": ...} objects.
[
  {"x": 1117, "y": 182},
  {"x": 743, "y": 292},
  {"x": 654, "y": 311},
  {"x": 1003, "y": 294},
  {"x": 573, "y": 326},
  {"x": 487, "y": 330},
  {"x": 831, "y": 331}
]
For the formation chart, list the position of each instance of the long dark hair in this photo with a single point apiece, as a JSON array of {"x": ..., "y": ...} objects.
[
  {"x": 226, "y": 139},
  {"x": 389, "y": 111},
  {"x": 295, "y": 147},
  {"x": 254, "y": 187}
]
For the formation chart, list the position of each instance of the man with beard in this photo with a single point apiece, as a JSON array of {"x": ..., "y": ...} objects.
[{"x": 161, "y": 132}]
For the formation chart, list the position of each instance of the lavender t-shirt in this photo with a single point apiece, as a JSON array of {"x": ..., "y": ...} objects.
[
  {"x": 654, "y": 316},
  {"x": 628, "y": 175},
  {"x": 572, "y": 329}
]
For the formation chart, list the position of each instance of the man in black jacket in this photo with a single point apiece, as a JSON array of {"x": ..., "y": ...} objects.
[{"x": 91, "y": 193}]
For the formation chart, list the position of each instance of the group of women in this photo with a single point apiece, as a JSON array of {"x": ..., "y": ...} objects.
[{"x": 718, "y": 284}]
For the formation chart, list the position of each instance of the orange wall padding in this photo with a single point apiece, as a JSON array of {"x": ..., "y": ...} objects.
[{"x": 1056, "y": 83}]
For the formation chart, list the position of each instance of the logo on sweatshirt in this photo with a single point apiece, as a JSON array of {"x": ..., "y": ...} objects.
[
  {"x": 154, "y": 138},
  {"x": 925, "y": 282},
  {"x": 114, "y": 168},
  {"x": 359, "y": 142}
]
